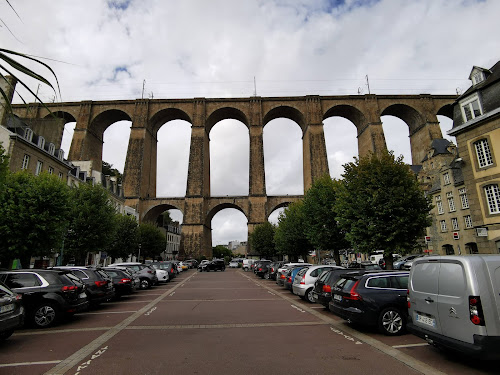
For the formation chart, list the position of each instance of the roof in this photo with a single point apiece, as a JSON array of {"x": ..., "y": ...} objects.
[
  {"x": 492, "y": 75},
  {"x": 440, "y": 147}
]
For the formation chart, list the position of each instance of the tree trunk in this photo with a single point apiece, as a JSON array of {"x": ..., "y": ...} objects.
[{"x": 336, "y": 257}]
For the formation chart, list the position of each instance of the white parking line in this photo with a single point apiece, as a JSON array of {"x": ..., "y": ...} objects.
[
  {"x": 29, "y": 363},
  {"x": 108, "y": 312}
]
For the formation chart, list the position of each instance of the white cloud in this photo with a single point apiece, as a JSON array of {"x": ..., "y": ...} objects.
[{"x": 193, "y": 48}]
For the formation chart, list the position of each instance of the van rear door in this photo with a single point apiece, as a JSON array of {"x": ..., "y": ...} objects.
[{"x": 423, "y": 291}]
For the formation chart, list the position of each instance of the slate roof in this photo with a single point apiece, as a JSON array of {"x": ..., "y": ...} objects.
[
  {"x": 490, "y": 79},
  {"x": 440, "y": 146}
]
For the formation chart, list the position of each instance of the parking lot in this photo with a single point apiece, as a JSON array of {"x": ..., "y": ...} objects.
[{"x": 224, "y": 323}]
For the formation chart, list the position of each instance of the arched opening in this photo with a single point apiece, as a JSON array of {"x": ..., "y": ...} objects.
[
  {"x": 67, "y": 137},
  {"x": 273, "y": 217},
  {"x": 471, "y": 248},
  {"x": 341, "y": 144},
  {"x": 448, "y": 249},
  {"x": 446, "y": 124},
  {"x": 229, "y": 158},
  {"x": 283, "y": 161},
  {"x": 397, "y": 137},
  {"x": 115, "y": 144},
  {"x": 229, "y": 225},
  {"x": 174, "y": 139}
]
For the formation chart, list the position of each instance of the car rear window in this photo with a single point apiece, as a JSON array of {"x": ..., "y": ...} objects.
[
  {"x": 79, "y": 273},
  {"x": 425, "y": 277},
  {"x": 302, "y": 272},
  {"x": 345, "y": 284},
  {"x": 452, "y": 280},
  {"x": 68, "y": 279},
  {"x": 324, "y": 276}
]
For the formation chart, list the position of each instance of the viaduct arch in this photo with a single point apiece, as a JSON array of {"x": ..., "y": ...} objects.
[{"x": 92, "y": 118}]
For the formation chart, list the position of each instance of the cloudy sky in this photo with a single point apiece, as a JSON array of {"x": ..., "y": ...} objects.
[{"x": 107, "y": 50}]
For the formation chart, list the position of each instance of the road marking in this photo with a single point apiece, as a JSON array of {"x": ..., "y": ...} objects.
[
  {"x": 87, "y": 363},
  {"x": 317, "y": 307},
  {"x": 150, "y": 311},
  {"x": 298, "y": 308},
  {"x": 271, "y": 292},
  {"x": 376, "y": 344},
  {"x": 69, "y": 330},
  {"x": 108, "y": 312},
  {"x": 410, "y": 345},
  {"x": 74, "y": 359},
  {"x": 225, "y": 326},
  {"x": 171, "y": 294},
  {"x": 29, "y": 363},
  {"x": 339, "y": 332}
]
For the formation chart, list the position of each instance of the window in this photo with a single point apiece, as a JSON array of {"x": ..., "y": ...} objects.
[
  {"x": 451, "y": 201},
  {"x": 454, "y": 223},
  {"x": 52, "y": 148},
  {"x": 378, "y": 282},
  {"x": 443, "y": 226},
  {"x": 39, "y": 166},
  {"x": 60, "y": 175},
  {"x": 26, "y": 161},
  {"x": 446, "y": 178},
  {"x": 478, "y": 77},
  {"x": 51, "y": 170},
  {"x": 41, "y": 142},
  {"x": 483, "y": 153},
  {"x": 492, "y": 198},
  {"x": 471, "y": 108},
  {"x": 60, "y": 155},
  {"x": 28, "y": 134},
  {"x": 439, "y": 205},
  {"x": 468, "y": 221},
  {"x": 463, "y": 198},
  {"x": 22, "y": 280}
]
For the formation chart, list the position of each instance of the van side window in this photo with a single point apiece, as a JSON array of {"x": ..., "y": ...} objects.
[
  {"x": 425, "y": 277},
  {"x": 451, "y": 280}
]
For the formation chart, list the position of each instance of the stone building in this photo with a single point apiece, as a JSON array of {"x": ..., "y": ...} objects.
[
  {"x": 172, "y": 233},
  {"x": 476, "y": 126},
  {"x": 441, "y": 177}
]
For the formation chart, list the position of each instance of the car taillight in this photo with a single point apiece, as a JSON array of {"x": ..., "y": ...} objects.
[
  {"x": 125, "y": 281},
  {"x": 149, "y": 271},
  {"x": 408, "y": 303},
  {"x": 260, "y": 268},
  {"x": 303, "y": 281},
  {"x": 476, "y": 311},
  {"x": 353, "y": 295},
  {"x": 68, "y": 288},
  {"x": 272, "y": 269},
  {"x": 289, "y": 280},
  {"x": 327, "y": 288},
  {"x": 19, "y": 297},
  {"x": 282, "y": 276},
  {"x": 172, "y": 270},
  {"x": 100, "y": 283}
]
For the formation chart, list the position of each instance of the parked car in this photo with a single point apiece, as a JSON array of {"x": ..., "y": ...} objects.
[
  {"x": 372, "y": 299},
  {"x": 233, "y": 263},
  {"x": 11, "y": 312},
  {"x": 454, "y": 303},
  {"x": 167, "y": 266},
  {"x": 134, "y": 275},
  {"x": 322, "y": 291},
  {"x": 273, "y": 270},
  {"x": 147, "y": 274},
  {"x": 247, "y": 264},
  {"x": 214, "y": 265},
  {"x": 262, "y": 267},
  {"x": 122, "y": 281},
  {"x": 398, "y": 264},
  {"x": 192, "y": 263},
  {"x": 290, "y": 274},
  {"x": 47, "y": 295},
  {"x": 99, "y": 284},
  {"x": 303, "y": 283},
  {"x": 202, "y": 263},
  {"x": 366, "y": 265}
]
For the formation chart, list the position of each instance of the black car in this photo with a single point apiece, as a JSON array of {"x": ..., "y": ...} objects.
[
  {"x": 47, "y": 295},
  {"x": 11, "y": 312},
  {"x": 214, "y": 265},
  {"x": 322, "y": 291},
  {"x": 99, "y": 284},
  {"x": 170, "y": 267},
  {"x": 123, "y": 282},
  {"x": 262, "y": 268},
  {"x": 372, "y": 298},
  {"x": 273, "y": 270}
]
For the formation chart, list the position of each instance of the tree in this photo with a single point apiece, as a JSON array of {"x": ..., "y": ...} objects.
[
  {"x": 381, "y": 206},
  {"x": 152, "y": 241},
  {"x": 107, "y": 169},
  {"x": 220, "y": 251},
  {"x": 289, "y": 237},
  {"x": 91, "y": 224},
  {"x": 4, "y": 169},
  {"x": 320, "y": 222},
  {"x": 262, "y": 240},
  {"x": 33, "y": 215},
  {"x": 125, "y": 239}
]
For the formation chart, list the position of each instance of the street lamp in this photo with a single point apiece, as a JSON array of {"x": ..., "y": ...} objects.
[{"x": 139, "y": 256}]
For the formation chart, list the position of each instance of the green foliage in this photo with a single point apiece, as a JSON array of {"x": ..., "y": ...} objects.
[
  {"x": 107, "y": 169},
  {"x": 289, "y": 237},
  {"x": 33, "y": 216},
  {"x": 220, "y": 252},
  {"x": 125, "y": 237},
  {"x": 92, "y": 222},
  {"x": 381, "y": 206},
  {"x": 4, "y": 169},
  {"x": 152, "y": 240},
  {"x": 320, "y": 223},
  {"x": 262, "y": 240}
]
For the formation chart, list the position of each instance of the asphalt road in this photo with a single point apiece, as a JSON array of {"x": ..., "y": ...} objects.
[{"x": 228, "y": 322}]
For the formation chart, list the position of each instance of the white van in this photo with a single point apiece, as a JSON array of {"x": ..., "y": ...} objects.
[
  {"x": 247, "y": 264},
  {"x": 454, "y": 302}
]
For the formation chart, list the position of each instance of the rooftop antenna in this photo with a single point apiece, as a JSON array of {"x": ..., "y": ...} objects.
[
  {"x": 254, "y": 87},
  {"x": 152, "y": 96},
  {"x": 143, "y": 84},
  {"x": 459, "y": 91},
  {"x": 360, "y": 91},
  {"x": 368, "y": 84}
]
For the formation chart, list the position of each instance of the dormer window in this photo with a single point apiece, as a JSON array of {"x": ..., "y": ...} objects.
[
  {"x": 28, "y": 134},
  {"x": 471, "y": 108},
  {"x": 41, "y": 142},
  {"x": 60, "y": 155},
  {"x": 52, "y": 148},
  {"x": 477, "y": 77}
]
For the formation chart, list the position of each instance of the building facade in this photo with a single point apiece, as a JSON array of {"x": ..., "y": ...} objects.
[{"x": 476, "y": 126}]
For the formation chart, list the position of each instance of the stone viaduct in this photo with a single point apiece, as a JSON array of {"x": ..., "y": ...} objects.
[{"x": 198, "y": 206}]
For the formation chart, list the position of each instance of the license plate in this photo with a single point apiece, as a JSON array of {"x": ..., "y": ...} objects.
[
  {"x": 6, "y": 308},
  {"x": 337, "y": 297},
  {"x": 426, "y": 320}
]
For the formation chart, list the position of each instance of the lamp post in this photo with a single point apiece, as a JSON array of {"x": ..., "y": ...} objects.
[{"x": 139, "y": 256}]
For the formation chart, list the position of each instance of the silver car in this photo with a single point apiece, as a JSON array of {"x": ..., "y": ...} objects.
[{"x": 303, "y": 284}]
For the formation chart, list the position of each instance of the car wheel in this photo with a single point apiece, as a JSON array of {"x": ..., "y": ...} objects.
[
  {"x": 266, "y": 276},
  {"x": 391, "y": 322},
  {"x": 145, "y": 284},
  {"x": 309, "y": 295},
  {"x": 6, "y": 334},
  {"x": 45, "y": 315}
]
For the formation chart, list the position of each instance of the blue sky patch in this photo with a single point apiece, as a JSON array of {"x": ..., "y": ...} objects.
[
  {"x": 118, "y": 70},
  {"x": 119, "y": 4}
]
